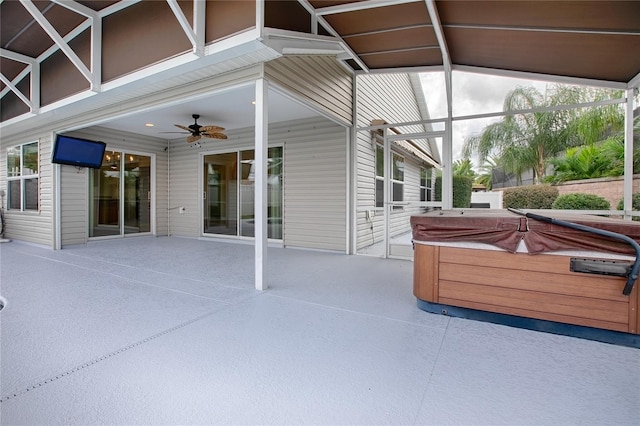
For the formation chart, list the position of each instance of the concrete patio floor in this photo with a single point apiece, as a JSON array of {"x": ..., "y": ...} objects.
[{"x": 170, "y": 331}]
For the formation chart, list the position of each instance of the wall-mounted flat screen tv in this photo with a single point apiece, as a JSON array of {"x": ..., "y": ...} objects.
[{"x": 78, "y": 152}]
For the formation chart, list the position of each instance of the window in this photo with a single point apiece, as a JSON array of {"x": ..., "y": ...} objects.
[
  {"x": 379, "y": 176},
  {"x": 22, "y": 177},
  {"x": 425, "y": 184},
  {"x": 397, "y": 179}
]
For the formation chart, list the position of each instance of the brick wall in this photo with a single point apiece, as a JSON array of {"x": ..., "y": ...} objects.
[{"x": 608, "y": 188}]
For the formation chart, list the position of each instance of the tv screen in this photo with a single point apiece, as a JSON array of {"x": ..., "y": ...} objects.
[{"x": 78, "y": 152}]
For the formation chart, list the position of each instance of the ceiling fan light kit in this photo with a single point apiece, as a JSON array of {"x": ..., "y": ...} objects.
[{"x": 197, "y": 131}]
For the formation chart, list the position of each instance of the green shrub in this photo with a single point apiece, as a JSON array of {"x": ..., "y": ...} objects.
[
  {"x": 635, "y": 202},
  {"x": 462, "y": 187},
  {"x": 529, "y": 197},
  {"x": 581, "y": 202}
]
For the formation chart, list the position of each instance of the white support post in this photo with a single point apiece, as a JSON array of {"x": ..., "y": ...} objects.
[
  {"x": 447, "y": 151},
  {"x": 57, "y": 207},
  {"x": 628, "y": 155},
  {"x": 96, "y": 54},
  {"x": 260, "y": 194},
  {"x": 388, "y": 197},
  {"x": 260, "y": 18},
  {"x": 199, "y": 24},
  {"x": 353, "y": 175},
  {"x": 35, "y": 88},
  {"x": 447, "y": 143}
]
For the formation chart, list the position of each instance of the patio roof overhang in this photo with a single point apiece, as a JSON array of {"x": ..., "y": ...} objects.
[{"x": 593, "y": 41}]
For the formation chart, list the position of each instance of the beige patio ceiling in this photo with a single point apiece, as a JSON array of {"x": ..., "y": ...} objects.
[{"x": 595, "y": 40}]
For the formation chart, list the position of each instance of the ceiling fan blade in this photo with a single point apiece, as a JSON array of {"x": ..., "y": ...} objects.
[
  {"x": 192, "y": 139},
  {"x": 183, "y": 127},
  {"x": 215, "y": 135},
  {"x": 211, "y": 129}
]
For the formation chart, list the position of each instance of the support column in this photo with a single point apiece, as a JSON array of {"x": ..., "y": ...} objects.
[
  {"x": 260, "y": 194},
  {"x": 388, "y": 190},
  {"x": 447, "y": 148},
  {"x": 628, "y": 154}
]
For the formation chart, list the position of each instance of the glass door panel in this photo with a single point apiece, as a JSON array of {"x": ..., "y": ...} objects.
[
  {"x": 229, "y": 193},
  {"x": 104, "y": 196},
  {"x": 274, "y": 194},
  {"x": 120, "y": 195},
  {"x": 137, "y": 193},
  {"x": 220, "y": 194},
  {"x": 247, "y": 186}
]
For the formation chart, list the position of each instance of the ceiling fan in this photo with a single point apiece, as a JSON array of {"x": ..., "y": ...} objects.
[{"x": 197, "y": 131}]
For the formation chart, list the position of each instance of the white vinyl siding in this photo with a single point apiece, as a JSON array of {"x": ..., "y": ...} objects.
[
  {"x": 74, "y": 183},
  {"x": 185, "y": 187},
  {"x": 314, "y": 191},
  {"x": 318, "y": 80},
  {"x": 35, "y": 226},
  {"x": 315, "y": 186},
  {"x": 73, "y": 205},
  {"x": 388, "y": 97}
]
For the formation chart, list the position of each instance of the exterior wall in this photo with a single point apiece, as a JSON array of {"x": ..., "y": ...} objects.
[
  {"x": 74, "y": 200},
  {"x": 31, "y": 226},
  {"x": 74, "y": 215},
  {"x": 610, "y": 189},
  {"x": 318, "y": 80},
  {"x": 314, "y": 181},
  {"x": 492, "y": 198},
  {"x": 38, "y": 227},
  {"x": 387, "y": 97}
]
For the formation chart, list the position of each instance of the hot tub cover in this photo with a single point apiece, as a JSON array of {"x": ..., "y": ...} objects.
[{"x": 504, "y": 229}]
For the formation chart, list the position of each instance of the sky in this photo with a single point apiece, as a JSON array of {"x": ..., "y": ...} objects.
[{"x": 472, "y": 94}]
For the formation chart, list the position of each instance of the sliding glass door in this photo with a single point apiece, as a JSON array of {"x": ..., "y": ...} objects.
[
  {"x": 120, "y": 195},
  {"x": 229, "y": 182}
]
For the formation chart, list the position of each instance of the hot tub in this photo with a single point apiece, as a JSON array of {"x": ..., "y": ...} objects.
[{"x": 526, "y": 272}]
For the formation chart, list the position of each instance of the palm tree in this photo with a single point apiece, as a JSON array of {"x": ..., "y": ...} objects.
[
  {"x": 485, "y": 177},
  {"x": 526, "y": 141},
  {"x": 464, "y": 168},
  {"x": 594, "y": 125},
  {"x": 584, "y": 162},
  {"x": 603, "y": 155}
]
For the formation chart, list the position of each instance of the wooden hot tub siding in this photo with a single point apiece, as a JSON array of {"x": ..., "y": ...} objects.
[{"x": 536, "y": 286}]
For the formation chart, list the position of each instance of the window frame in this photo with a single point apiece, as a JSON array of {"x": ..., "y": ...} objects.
[
  {"x": 396, "y": 182},
  {"x": 23, "y": 178},
  {"x": 379, "y": 179},
  {"x": 426, "y": 185}
]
